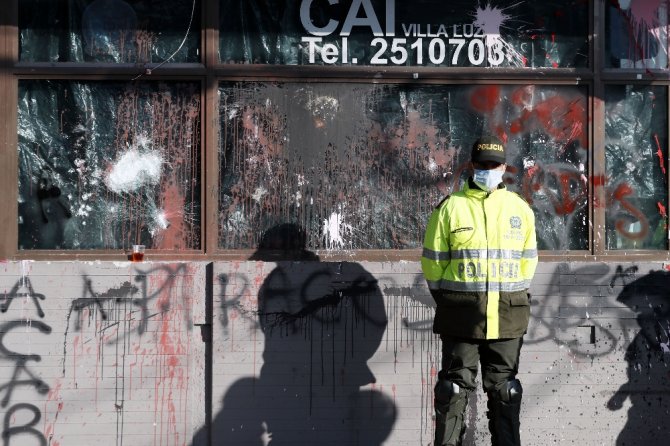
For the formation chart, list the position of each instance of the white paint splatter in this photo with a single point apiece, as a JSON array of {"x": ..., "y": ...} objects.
[
  {"x": 325, "y": 107},
  {"x": 490, "y": 20},
  {"x": 259, "y": 193},
  {"x": 665, "y": 346},
  {"x": 528, "y": 162},
  {"x": 432, "y": 165},
  {"x": 133, "y": 170},
  {"x": 335, "y": 231},
  {"x": 160, "y": 222},
  {"x": 143, "y": 141}
]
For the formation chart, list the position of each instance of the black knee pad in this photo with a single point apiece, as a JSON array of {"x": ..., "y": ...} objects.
[
  {"x": 450, "y": 403},
  {"x": 445, "y": 390},
  {"x": 510, "y": 393},
  {"x": 448, "y": 394}
]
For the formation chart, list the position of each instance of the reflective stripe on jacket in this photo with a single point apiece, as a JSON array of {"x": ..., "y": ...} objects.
[{"x": 479, "y": 256}]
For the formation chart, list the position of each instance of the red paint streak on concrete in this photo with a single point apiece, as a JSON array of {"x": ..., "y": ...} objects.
[
  {"x": 131, "y": 366},
  {"x": 75, "y": 343},
  {"x": 662, "y": 210},
  {"x": 171, "y": 386},
  {"x": 52, "y": 396},
  {"x": 485, "y": 99}
]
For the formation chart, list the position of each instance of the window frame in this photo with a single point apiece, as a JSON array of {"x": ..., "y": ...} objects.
[{"x": 209, "y": 72}]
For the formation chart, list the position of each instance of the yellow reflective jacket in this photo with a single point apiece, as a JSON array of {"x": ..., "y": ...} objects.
[{"x": 479, "y": 256}]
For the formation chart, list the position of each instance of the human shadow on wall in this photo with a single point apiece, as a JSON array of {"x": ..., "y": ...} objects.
[
  {"x": 322, "y": 322},
  {"x": 648, "y": 357}
]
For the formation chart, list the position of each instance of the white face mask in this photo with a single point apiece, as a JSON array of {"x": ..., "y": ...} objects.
[{"x": 490, "y": 179}]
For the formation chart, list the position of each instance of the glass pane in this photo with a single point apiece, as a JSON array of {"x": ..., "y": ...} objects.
[
  {"x": 636, "y": 154},
  {"x": 361, "y": 166},
  {"x": 637, "y": 34},
  {"x": 104, "y": 165},
  {"x": 109, "y": 31},
  {"x": 460, "y": 33}
]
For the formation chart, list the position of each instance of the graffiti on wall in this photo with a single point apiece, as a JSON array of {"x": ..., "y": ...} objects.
[
  {"x": 321, "y": 324},
  {"x": 337, "y": 335},
  {"x": 123, "y": 351},
  {"x": 593, "y": 314},
  {"x": 23, "y": 373}
]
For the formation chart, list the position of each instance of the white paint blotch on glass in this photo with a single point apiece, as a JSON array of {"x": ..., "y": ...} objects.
[{"x": 134, "y": 169}]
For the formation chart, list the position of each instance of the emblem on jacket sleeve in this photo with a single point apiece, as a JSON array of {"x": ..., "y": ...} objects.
[{"x": 515, "y": 222}]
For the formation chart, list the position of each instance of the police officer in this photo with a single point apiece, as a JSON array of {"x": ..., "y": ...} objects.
[{"x": 479, "y": 257}]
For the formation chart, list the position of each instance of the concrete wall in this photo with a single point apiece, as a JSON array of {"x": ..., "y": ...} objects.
[{"x": 304, "y": 353}]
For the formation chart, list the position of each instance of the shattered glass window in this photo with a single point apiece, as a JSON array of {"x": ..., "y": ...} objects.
[
  {"x": 362, "y": 166},
  {"x": 637, "y": 34},
  {"x": 116, "y": 31},
  {"x": 104, "y": 165},
  {"x": 636, "y": 154},
  {"x": 458, "y": 33}
]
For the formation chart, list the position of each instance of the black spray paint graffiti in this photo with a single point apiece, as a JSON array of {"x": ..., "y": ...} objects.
[
  {"x": 99, "y": 300},
  {"x": 23, "y": 283},
  {"x": 143, "y": 296},
  {"x": 22, "y": 375},
  {"x": 120, "y": 299},
  {"x": 574, "y": 307},
  {"x": 409, "y": 309},
  {"x": 331, "y": 318}
]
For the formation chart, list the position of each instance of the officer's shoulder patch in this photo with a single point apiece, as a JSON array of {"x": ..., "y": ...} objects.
[{"x": 444, "y": 200}]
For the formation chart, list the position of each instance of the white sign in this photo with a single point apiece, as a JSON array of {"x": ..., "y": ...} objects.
[{"x": 421, "y": 43}]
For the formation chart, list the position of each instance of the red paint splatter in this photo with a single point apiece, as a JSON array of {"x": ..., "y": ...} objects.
[
  {"x": 485, "y": 99},
  {"x": 646, "y": 11},
  {"x": 620, "y": 194},
  {"x": 662, "y": 210},
  {"x": 659, "y": 153},
  {"x": 598, "y": 180}
]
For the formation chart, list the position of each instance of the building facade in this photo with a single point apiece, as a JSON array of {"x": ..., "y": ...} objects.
[{"x": 279, "y": 159}]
